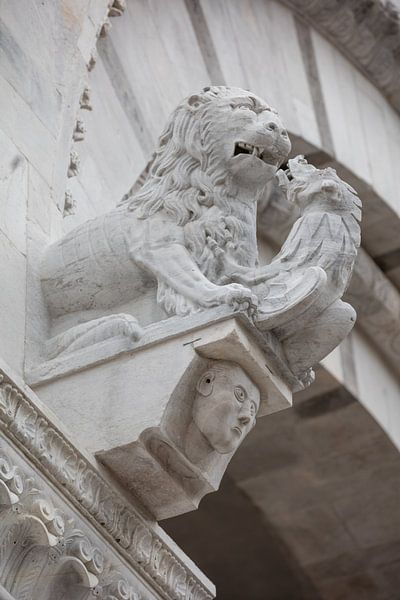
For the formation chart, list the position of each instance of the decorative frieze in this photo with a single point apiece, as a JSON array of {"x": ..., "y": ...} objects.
[
  {"x": 92, "y": 60},
  {"x": 105, "y": 28},
  {"x": 74, "y": 476},
  {"x": 43, "y": 551}
]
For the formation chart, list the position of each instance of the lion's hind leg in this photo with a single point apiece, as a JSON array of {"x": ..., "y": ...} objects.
[{"x": 92, "y": 332}]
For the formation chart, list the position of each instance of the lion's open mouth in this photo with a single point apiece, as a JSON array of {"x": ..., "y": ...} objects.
[{"x": 257, "y": 151}]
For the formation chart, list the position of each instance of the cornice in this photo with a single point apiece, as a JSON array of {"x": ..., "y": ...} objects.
[
  {"x": 367, "y": 32},
  {"x": 47, "y": 447}
]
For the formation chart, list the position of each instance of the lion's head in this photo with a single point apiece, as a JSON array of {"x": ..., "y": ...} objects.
[{"x": 220, "y": 138}]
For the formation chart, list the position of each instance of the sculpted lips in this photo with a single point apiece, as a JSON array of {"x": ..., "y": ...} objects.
[{"x": 257, "y": 151}]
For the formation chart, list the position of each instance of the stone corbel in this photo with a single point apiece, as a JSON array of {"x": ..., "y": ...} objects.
[{"x": 218, "y": 390}]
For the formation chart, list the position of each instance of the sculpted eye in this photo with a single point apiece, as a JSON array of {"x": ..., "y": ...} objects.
[
  {"x": 240, "y": 393},
  {"x": 241, "y": 105},
  {"x": 253, "y": 409}
]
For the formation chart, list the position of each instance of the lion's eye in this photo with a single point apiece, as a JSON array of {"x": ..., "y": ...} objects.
[
  {"x": 239, "y": 105},
  {"x": 240, "y": 393}
]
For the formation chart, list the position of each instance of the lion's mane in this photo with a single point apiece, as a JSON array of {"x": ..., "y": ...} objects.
[{"x": 187, "y": 179}]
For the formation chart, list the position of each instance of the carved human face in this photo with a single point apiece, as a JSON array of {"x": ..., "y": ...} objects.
[
  {"x": 249, "y": 135},
  {"x": 225, "y": 406}
]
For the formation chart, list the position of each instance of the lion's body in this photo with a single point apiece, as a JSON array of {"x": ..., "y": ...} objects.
[
  {"x": 91, "y": 269},
  {"x": 97, "y": 266}
]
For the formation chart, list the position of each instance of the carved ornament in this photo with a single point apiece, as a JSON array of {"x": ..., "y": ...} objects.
[{"x": 43, "y": 555}]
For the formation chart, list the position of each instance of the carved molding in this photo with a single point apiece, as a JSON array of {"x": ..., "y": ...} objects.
[
  {"x": 112, "y": 8},
  {"x": 46, "y": 446},
  {"x": 366, "y": 31},
  {"x": 40, "y": 545}
]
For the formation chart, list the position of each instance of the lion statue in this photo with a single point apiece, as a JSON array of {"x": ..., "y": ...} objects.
[
  {"x": 186, "y": 239},
  {"x": 157, "y": 253}
]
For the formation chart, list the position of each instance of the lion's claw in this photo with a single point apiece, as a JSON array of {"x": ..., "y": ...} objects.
[{"x": 241, "y": 298}]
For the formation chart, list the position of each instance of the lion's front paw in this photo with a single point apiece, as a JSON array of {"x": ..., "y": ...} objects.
[{"x": 240, "y": 298}]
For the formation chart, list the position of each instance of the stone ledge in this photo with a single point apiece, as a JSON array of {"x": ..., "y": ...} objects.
[{"x": 161, "y": 331}]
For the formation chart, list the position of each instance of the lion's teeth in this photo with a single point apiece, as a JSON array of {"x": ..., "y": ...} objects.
[{"x": 254, "y": 150}]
